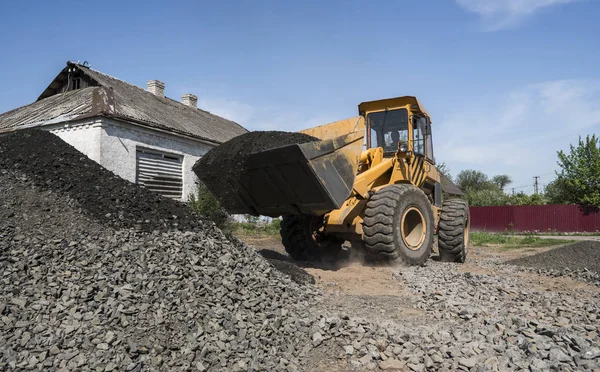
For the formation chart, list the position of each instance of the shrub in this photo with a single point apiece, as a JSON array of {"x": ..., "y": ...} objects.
[
  {"x": 209, "y": 207},
  {"x": 257, "y": 227}
]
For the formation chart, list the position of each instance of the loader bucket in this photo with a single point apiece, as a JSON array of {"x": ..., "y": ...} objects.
[{"x": 308, "y": 178}]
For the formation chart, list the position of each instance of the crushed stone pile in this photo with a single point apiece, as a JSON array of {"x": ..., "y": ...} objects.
[
  {"x": 97, "y": 274},
  {"x": 581, "y": 257},
  {"x": 49, "y": 163},
  {"x": 222, "y": 166}
]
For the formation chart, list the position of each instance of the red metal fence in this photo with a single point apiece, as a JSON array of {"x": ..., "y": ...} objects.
[{"x": 543, "y": 218}]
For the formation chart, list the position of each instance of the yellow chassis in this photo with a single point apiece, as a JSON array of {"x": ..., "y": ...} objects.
[{"x": 375, "y": 171}]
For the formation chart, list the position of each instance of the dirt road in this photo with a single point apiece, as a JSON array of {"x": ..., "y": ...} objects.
[{"x": 487, "y": 312}]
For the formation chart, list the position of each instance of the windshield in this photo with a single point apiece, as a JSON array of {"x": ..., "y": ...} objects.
[{"x": 387, "y": 129}]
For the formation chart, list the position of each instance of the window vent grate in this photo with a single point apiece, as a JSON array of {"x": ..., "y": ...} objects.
[{"x": 160, "y": 172}]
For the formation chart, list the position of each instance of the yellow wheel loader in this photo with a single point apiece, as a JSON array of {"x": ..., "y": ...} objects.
[{"x": 370, "y": 180}]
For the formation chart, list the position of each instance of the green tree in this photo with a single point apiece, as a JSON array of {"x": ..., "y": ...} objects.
[
  {"x": 209, "y": 207},
  {"x": 474, "y": 180},
  {"x": 483, "y": 191},
  {"x": 580, "y": 173},
  {"x": 486, "y": 197},
  {"x": 502, "y": 180},
  {"x": 519, "y": 198},
  {"x": 556, "y": 193},
  {"x": 537, "y": 199}
]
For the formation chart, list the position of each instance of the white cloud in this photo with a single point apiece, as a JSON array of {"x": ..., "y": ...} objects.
[
  {"x": 499, "y": 14},
  {"x": 520, "y": 133}
]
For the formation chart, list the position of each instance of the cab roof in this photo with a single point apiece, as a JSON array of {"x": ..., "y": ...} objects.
[{"x": 390, "y": 103}]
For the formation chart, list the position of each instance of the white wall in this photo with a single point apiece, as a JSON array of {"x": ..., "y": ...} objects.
[
  {"x": 120, "y": 140},
  {"x": 83, "y": 135},
  {"x": 113, "y": 144}
]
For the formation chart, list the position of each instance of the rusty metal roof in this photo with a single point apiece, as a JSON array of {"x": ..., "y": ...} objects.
[{"x": 116, "y": 98}]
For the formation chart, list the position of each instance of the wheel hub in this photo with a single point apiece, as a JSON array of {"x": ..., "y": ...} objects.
[{"x": 413, "y": 228}]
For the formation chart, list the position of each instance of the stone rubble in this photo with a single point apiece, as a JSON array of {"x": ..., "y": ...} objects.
[{"x": 87, "y": 291}]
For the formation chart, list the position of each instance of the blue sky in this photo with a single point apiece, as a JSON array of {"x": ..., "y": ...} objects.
[{"x": 507, "y": 82}]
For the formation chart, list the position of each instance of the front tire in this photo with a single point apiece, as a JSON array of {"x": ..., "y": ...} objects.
[
  {"x": 398, "y": 225},
  {"x": 303, "y": 239},
  {"x": 453, "y": 231}
]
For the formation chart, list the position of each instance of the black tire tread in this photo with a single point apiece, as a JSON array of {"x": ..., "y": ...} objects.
[
  {"x": 378, "y": 224},
  {"x": 453, "y": 217},
  {"x": 300, "y": 246}
]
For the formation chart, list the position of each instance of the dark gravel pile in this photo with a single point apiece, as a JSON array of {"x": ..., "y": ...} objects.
[
  {"x": 79, "y": 291},
  {"x": 222, "y": 166},
  {"x": 52, "y": 164},
  {"x": 584, "y": 255}
]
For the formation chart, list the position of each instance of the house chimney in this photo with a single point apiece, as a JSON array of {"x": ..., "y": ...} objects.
[
  {"x": 189, "y": 100},
  {"x": 156, "y": 87}
]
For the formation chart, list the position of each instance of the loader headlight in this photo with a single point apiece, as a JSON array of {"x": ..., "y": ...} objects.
[{"x": 403, "y": 146}]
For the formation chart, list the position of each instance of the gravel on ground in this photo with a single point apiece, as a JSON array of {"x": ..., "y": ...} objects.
[
  {"x": 88, "y": 284},
  {"x": 584, "y": 255}
]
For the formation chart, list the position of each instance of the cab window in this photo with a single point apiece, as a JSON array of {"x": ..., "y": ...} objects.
[
  {"x": 429, "y": 145},
  {"x": 423, "y": 143},
  {"x": 388, "y": 129}
]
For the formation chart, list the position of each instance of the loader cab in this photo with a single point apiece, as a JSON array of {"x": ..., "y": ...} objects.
[
  {"x": 388, "y": 129},
  {"x": 399, "y": 126}
]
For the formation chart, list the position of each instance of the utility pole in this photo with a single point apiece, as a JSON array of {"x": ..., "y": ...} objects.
[
  {"x": 536, "y": 183},
  {"x": 513, "y": 190}
]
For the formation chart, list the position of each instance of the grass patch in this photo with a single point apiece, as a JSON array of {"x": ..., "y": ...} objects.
[
  {"x": 255, "y": 228},
  {"x": 510, "y": 242},
  {"x": 555, "y": 233}
]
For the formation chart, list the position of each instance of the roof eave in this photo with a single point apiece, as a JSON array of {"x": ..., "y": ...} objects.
[
  {"x": 128, "y": 120},
  {"x": 161, "y": 128}
]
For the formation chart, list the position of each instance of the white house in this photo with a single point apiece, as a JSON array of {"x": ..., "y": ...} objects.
[{"x": 138, "y": 134}]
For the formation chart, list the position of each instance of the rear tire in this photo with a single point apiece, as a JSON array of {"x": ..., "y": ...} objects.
[
  {"x": 303, "y": 240},
  {"x": 453, "y": 231},
  {"x": 398, "y": 225}
]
